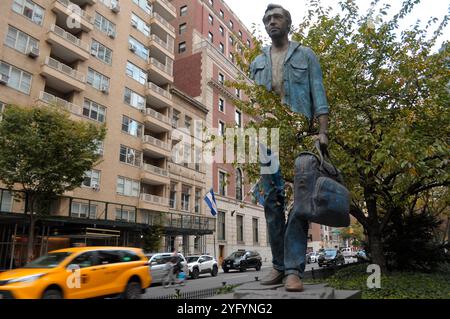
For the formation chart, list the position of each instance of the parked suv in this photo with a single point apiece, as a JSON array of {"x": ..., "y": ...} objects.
[
  {"x": 77, "y": 273},
  {"x": 331, "y": 257},
  {"x": 242, "y": 260},
  {"x": 202, "y": 264},
  {"x": 158, "y": 263}
]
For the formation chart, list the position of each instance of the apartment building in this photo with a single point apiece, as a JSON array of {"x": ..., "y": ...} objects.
[
  {"x": 107, "y": 62},
  {"x": 209, "y": 36}
]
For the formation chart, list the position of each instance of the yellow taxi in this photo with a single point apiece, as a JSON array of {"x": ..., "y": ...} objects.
[{"x": 78, "y": 273}]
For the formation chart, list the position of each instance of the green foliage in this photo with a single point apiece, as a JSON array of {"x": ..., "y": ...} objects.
[
  {"x": 153, "y": 238},
  {"x": 389, "y": 113},
  {"x": 44, "y": 152},
  {"x": 226, "y": 289},
  {"x": 396, "y": 285}
]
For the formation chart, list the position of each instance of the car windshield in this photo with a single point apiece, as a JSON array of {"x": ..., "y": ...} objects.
[
  {"x": 237, "y": 254},
  {"x": 330, "y": 253},
  {"x": 191, "y": 259},
  {"x": 51, "y": 260}
]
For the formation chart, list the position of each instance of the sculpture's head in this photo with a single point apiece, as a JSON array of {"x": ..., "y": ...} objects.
[{"x": 277, "y": 21}]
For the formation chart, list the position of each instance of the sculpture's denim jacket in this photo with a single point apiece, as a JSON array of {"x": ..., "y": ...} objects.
[{"x": 302, "y": 76}]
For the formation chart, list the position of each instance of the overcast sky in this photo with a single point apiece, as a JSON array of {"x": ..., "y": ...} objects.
[{"x": 252, "y": 11}]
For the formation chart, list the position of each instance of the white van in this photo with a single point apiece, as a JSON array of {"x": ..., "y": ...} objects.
[{"x": 347, "y": 252}]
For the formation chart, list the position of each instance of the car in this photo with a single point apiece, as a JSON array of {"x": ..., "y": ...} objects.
[
  {"x": 361, "y": 256},
  {"x": 158, "y": 263},
  {"x": 202, "y": 264},
  {"x": 313, "y": 257},
  {"x": 347, "y": 252},
  {"x": 78, "y": 273},
  {"x": 331, "y": 257},
  {"x": 242, "y": 260}
]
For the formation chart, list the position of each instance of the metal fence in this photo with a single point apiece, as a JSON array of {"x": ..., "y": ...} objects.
[{"x": 198, "y": 294}]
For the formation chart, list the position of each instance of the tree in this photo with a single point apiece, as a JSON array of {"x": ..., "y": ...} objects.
[
  {"x": 388, "y": 95},
  {"x": 354, "y": 233},
  {"x": 153, "y": 238},
  {"x": 44, "y": 153}
]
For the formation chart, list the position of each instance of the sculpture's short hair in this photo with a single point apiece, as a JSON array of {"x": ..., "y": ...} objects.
[{"x": 286, "y": 13}]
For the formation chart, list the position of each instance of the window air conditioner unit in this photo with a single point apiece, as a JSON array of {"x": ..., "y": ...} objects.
[
  {"x": 134, "y": 24},
  {"x": 93, "y": 52},
  {"x": 95, "y": 187},
  {"x": 112, "y": 34},
  {"x": 4, "y": 78},
  {"x": 132, "y": 47},
  {"x": 33, "y": 52},
  {"x": 104, "y": 89},
  {"x": 115, "y": 8}
]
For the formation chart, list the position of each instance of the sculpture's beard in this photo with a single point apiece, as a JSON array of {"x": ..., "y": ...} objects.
[{"x": 278, "y": 33}]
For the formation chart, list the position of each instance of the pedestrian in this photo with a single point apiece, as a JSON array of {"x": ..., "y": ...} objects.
[{"x": 170, "y": 273}]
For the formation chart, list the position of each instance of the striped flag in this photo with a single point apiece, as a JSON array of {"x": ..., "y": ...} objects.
[
  {"x": 256, "y": 192},
  {"x": 211, "y": 202}
]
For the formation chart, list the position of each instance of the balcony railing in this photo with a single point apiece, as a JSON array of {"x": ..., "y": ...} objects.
[
  {"x": 165, "y": 68},
  {"x": 169, "y": 45},
  {"x": 51, "y": 99},
  {"x": 171, "y": 6},
  {"x": 157, "y": 115},
  {"x": 154, "y": 141},
  {"x": 70, "y": 5},
  {"x": 155, "y": 170},
  {"x": 67, "y": 70},
  {"x": 163, "y": 22},
  {"x": 69, "y": 37},
  {"x": 155, "y": 199},
  {"x": 161, "y": 91}
]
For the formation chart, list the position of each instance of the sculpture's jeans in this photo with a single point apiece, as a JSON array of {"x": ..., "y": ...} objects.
[{"x": 288, "y": 240}]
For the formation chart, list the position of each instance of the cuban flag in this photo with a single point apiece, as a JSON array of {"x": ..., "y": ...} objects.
[{"x": 211, "y": 202}]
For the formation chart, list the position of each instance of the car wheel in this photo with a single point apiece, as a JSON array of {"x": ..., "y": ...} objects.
[
  {"x": 226, "y": 270},
  {"x": 258, "y": 267},
  {"x": 242, "y": 268},
  {"x": 195, "y": 273},
  {"x": 133, "y": 290},
  {"x": 52, "y": 294},
  {"x": 214, "y": 271},
  {"x": 320, "y": 265}
]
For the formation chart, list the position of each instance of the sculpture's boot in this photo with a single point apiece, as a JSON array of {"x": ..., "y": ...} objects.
[
  {"x": 274, "y": 277},
  {"x": 293, "y": 283}
]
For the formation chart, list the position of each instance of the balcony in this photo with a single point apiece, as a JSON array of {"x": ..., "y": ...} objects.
[
  {"x": 184, "y": 223},
  {"x": 83, "y": 2},
  {"x": 158, "y": 97},
  {"x": 186, "y": 175},
  {"x": 161, "y": 27},
  {"x": 159, "y": 73},
  {"x": 164, "y": 8},
  {"x": 62, "y": 77},
  {"x": 153, "y": 202},
  {"x": 67, "y": 11},
  {"x": 156, "y": 148},
  {"x": 50, "y": 99},
  {"x": 154, "y": 175},
  {"x": 67, "y": 46},
  {"x": 156, "y": 122},
  {"x": 160, "y": 49}
]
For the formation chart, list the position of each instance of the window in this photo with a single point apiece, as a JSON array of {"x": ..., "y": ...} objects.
[
  {"x": 231, "y": 25},
  {"x": 231, "y": 40},
  {"x": 198, "y": 196},
  {"x": 221, "y": 128},
  {"x": 134, "y": 99},
  {"x": 221, "y": 30},
  {"x": 238, "y": 118},
  {"x": 19, "y": 40},
  {"x": 183, "y": 11},
  {"x": 126, "y": 215},
  {"x": 187, "y": 122},
  {"x": 240, "y": 228},
  {"x": 222, "y": 15},
  {"x": 211, "y": 2},
  {"x": 231, "y": 57},
  {"x": 238, "y": 93},
  {"x": 210, "y": 19},
  {"x": 222, "y": 183},
  {"x": 127, "y": 187},
  {"x": 91, "y": 178},
  {"x": 130, "y": 156},
  {"x": 30, "y": 10},
  {"x": 140, "y": 24},
  {"x": 6, "y": 200},
  {"x": 221, "y": 105},
  {"x": 136, "y": 73},
  {"x": 173, "y": 196},
  {"x": 131, "y": 126},
  {"x": 83, "y": 210},
  {"x": 221, "y": 78},
  {"x": 101, "y": 52},
  {"x": 248, "y": 44},
  {"x": 240, "y": 34},
  {"x": 139, "y": 49},
  {"x": 97, "y": 80},
  {"x": 221, "y": 226},
  {"x": 94, "y": 111},
  {"x": 144, "y": 5},
  {"x": 17, "y": 79},
  {"x": 109, "y": 257},
  {"x": 103, "y": 24},
  {"x": 84, "y": 260},
  {"x": 187, "y": 154},
  {"x": 175, "y": 118},
  {"x": 210, "y": 37},
  {"x": 238, "y": 184},
  {"x": 182, "y": 28},
  {"x": 100, "y": 147},
  {"x": 182, "y": 47},
  {"x": 185, "y": 197},
  {"x": 255, "y": 231},
  {"x": 198, "y": 158},
  {"x": 222, "y": 48}
]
